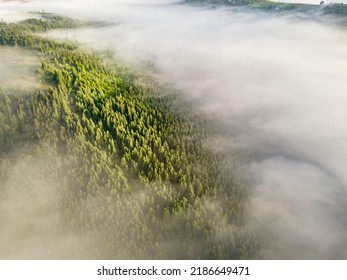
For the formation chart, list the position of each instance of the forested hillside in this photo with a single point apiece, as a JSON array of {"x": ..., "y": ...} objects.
[
  {"x": 120, "y": 172},
  {"x": 328, "y": 8}
]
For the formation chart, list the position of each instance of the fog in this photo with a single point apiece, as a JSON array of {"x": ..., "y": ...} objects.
[
  {"x": 18, "y": 70},
  {"x": 275, "y": 86},
  {"x": 31, "y": 224}
]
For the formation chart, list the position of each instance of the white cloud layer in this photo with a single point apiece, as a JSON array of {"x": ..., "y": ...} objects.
[{"x": 276, "y": 85}]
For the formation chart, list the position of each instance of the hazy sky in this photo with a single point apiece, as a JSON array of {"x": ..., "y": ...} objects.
[{"x": 276, "y": 84}]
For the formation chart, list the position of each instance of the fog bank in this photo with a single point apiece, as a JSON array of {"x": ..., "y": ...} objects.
[
  {"x": 276, "y": 86},
  {"x": 18, "y": 70}
]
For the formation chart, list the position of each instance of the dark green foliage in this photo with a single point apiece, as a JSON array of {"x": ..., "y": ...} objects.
[
  {"x": 135, "y": 175},
  {"x": 21, "y": 33},
  {"x": 339, "y": 9},
  {"x": 265, "y": 5}
]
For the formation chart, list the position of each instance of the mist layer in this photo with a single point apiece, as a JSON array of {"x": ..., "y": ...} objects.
[{"x": 276, "y": 87}]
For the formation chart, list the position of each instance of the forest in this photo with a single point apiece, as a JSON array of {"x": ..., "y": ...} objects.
[
  {"x": 324, "y": 7},
  {"x": 106, "y": 165}
]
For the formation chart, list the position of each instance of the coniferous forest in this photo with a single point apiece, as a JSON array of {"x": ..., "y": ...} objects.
[{"x": 110, "y": 166}]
